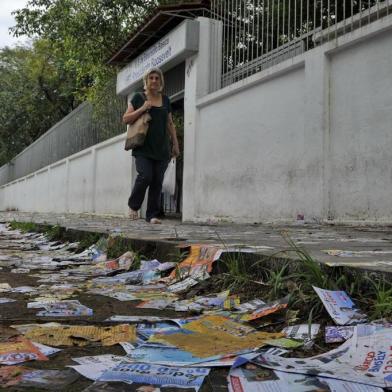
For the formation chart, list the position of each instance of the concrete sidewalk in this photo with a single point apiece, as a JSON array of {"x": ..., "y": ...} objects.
[{"x": 367, "y": 247}]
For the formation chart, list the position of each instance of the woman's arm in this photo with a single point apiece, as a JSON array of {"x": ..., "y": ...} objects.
[
  {"x": 131, "y": 115},
  {"x": 173, "y": 136}
]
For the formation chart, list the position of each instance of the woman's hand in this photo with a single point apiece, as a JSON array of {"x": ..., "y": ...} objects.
[
  {"x": 146, "y": 106},
  {"x": 175, "y": 150}
]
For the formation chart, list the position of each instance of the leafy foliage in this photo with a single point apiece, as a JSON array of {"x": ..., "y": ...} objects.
[
  {"x": 65, "y": 64},
  {"x": 84, "y": 32},
  {"x": 35, "y": 92}
]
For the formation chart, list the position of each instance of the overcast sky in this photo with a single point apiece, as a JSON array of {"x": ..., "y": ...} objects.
[{"x": 7, "y": 20}]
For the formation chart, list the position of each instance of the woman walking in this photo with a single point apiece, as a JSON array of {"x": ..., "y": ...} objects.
[{"x": 153, "y": 157}]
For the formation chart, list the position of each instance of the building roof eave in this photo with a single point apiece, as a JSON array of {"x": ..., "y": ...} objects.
[{"x": 155, "y": 26}]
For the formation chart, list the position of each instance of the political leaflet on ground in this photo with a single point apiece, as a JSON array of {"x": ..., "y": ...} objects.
[
  {"x": 148, "y": 329},
  {"x": 18, "y": 350},
  {"x": 144, "y": 373},
  {"x": 32, "y": 378},
  {"x": 92, "y": 367},
  {"x": 257, "y": 379},
  {"x": 201, "y": 257},
  {"x": 47, "y": 379},
  {"x": 338, "y": 334},
  {"x": 266, "y": 309},
  {"x": 157, "y": 303},
  {"x": 187, "y": 283},
  {"x": 302, "y": 331},
  {"x": 63, "y": 309},
  {"x": 141, "y": 319},
  {"x": 215, "y": 335},
  {"x": 81, "y": 335},
  {"x": 340, "y": 307},
  {"x": 250, "y": 306},
  {"x": 4, "y": 300},
  {"x": 46, "y": 350},
  {"x": 202, "y": 303},
  {"x": 366, "y": 358},
  {"x": 285, "y": 343},
  {"x": 173, "y": 356}
]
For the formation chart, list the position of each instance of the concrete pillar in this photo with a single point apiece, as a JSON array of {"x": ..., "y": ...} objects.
[
  {"x": 93, "y": 180},
  {"x": 316, "y": 134},
  {"x": 202, "y": 76},
  {"x": 67, "y": 185}
]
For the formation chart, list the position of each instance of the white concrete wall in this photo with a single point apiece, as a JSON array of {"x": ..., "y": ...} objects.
[
  {"x": 95, "y": 180},
  {"x": 361, "y": 130},
  {"x": 309, "y": 136},
  {"x": 251, "y": 148}
]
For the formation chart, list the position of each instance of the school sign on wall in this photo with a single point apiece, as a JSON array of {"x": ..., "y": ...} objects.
[{"x": 166, "y": 53}]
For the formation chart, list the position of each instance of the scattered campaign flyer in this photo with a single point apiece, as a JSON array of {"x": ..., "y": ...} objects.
[
  {"x": 201, "y": 257},
  {"x": 92, "y": 367},
  {"x": 340, "y": 307},
  {"x": 364, "y": 359},
  {"x": 338, "y": 334},
  {"x": 47, "y": 379},
  {"x": 250, "y": 306},
  {"x": 187, "y": 283},
  {"x": 148, "y": 329},
  {"x": 156, "y": 265},
  {"x": 302, "y": 331},
  {"x": 144, "y": 373},
  {"x": 257, "y": 379},
  {"x": 157, "y": 303},
  {"x": 19, "y": 350},
  {"x": 266, "y": 309},
  {"x": 163, "y": 355},
  {"x": 65, "y": 309},
  {"x": 343, "y": 333},
  {"x": 4, "y": 300},
  {"x": 148, "y": 319},
  {"x": 199, "y": 304},
  {"x": 46, "y": 350},
  {"x": 4, "y": 287},
  {"x": 172, "y": 356}
]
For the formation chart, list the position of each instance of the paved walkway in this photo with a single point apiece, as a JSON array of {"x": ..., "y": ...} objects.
[{"x": 367, "y": 247}]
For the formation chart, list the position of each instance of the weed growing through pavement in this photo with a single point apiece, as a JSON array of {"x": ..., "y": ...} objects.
[
  {"x": 54, "y": 233},
  {"x": 177, "y": 255},
  {"x": 24, "y": 227},
  {"x": 310, "y": 272},
  {"x": 382, "y": 299},
  {"x": 277, "y": 280},
  {"x": 236, "y": 275},
  {"x": 88, "y": 240}
]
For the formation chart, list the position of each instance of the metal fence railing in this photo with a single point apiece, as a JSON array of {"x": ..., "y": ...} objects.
[
  {"x": 82, "y": 128},
  {"x": 260, "y": 33}
]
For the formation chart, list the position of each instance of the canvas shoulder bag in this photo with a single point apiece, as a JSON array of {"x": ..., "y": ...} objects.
[{"x": 137, "y": 131}]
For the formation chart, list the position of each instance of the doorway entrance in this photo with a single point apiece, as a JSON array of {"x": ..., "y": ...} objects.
[{"x": 171, "y": 205}]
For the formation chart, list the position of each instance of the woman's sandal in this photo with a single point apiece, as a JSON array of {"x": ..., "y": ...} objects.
[
  {"x": 155, "y": 221},
  {"x": 133, "y": 215}
]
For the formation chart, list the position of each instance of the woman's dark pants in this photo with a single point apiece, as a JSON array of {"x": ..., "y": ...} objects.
[{"x": 149, "y": 175}]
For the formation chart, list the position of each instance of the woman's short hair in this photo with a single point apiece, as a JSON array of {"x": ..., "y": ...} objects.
[{"x": 151, "y": 71}]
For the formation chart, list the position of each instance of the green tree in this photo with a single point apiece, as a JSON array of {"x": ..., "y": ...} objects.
[
  {"x": 35, "y": 92},
  {"x": 84, "y": 33},
  {"x": 65, "y": 65}
]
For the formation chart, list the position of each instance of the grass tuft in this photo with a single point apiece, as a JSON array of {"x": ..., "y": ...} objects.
[{"x": 24, "y": 227}]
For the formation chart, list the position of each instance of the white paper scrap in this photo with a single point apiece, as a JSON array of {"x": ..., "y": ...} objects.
[{"x": 340, "y": 307}]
